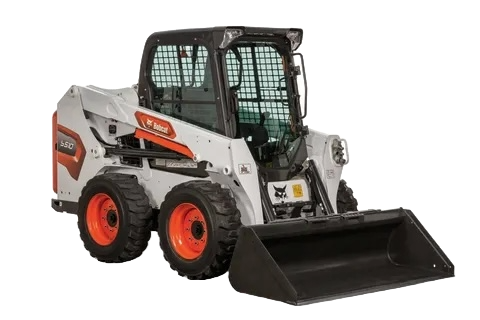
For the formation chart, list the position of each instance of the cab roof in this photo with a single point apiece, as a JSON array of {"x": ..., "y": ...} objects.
[{"x": 215, "y": 35}]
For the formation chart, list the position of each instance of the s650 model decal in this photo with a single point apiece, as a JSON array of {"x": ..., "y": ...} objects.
[
  {"x": 70, "y": 151},
  {"x": 155, "y": 125}
]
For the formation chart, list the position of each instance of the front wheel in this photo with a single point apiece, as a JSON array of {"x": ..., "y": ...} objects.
[
  {"x": 197, "y": 226},
  {"x": 345, "y": 199}
]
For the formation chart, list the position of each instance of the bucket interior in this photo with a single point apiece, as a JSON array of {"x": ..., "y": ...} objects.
[{"x": 324, "y": 262}]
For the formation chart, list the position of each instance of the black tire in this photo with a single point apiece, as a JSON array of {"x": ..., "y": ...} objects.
[
  {"x": 222, "y": 219},
  {"x": 345, "y": 199},
  {"x": 130, "y": 219}
]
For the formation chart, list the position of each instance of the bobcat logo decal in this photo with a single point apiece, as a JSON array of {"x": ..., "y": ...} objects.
[{"x": 280, "y": 193}]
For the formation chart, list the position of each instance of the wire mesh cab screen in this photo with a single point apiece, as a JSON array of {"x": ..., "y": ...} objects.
[
  {"x": 262, "y": 86},
  {"x": 183, "y": 86}
]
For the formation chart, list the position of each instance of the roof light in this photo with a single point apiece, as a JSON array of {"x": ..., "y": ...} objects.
[{"x": 295, "y": 38}]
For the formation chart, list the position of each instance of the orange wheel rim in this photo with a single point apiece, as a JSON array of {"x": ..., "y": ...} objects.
[
  {"x": 187, "y": 231},
  {"x": 102, "y": 219}
]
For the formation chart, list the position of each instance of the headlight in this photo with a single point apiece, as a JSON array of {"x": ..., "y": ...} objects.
[
  {"x": 339, "y": 150},
  {"x": 295, "y": 38},
  {"x": 230, "y": 35}
]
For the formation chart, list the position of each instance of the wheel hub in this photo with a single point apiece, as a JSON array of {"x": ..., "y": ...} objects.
[
  {"x": 197, "y": 229},
  {"x": 112, "y": 218}
]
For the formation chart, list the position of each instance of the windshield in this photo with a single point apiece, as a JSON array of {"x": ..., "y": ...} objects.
[{"x": 258, "y": 74}]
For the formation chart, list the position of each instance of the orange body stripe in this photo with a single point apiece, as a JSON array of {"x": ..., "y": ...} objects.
[{"x": 166, "y": 143}]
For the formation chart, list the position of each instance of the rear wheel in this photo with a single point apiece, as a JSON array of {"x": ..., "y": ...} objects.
[
  {"x": 345, "y": 199},
  {"x": 197, "y": 226},
  {"x": 114, "y": 218}
]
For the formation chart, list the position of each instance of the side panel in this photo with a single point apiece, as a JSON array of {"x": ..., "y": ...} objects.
[
  {"x": 246, "y": 174},
  {"x": 70, "y": 150},
  {"x": 238, "y": 172},
  {"x": 319, "y": 146},
  {"x": 54, "y": 153},
  {"x": 79, "y": 155}
]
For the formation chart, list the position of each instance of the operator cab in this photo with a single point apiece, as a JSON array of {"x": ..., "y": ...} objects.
[{"x": 235, "y": 81}]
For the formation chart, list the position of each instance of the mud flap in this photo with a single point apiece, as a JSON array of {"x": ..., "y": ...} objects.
[{"x": 305, "y": 261}]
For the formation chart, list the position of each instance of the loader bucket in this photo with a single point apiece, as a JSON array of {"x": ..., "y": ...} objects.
[{"x": 306, "y": 261}]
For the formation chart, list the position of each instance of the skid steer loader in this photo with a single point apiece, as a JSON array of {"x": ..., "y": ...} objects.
[{"x": 209, "y": 150}]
